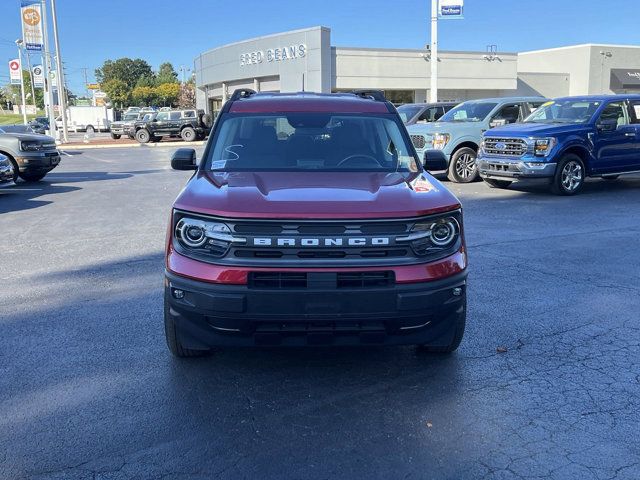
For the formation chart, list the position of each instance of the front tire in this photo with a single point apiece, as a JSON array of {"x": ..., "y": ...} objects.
[
  {"x": 463, "y": 167},
  {"x": 188, "y": 134},
  {"x": 143, "y": 136},
  {"x": 171, "y": 335},
  {"x": 458, "y": 332},
  {"x": 115, "y": 136},
  {"x": 569, "y": 176},
  {"x": 497, "y": 183}
]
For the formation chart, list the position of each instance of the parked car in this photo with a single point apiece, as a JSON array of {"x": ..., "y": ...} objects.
[
  {"x": 412, "y": 113},
  {"x": 190, "y": 125},
  {"x": 38, "y": 127},
  {"x": 311, "y": 221},
  {"x": 565, "y": 141},
  {"x": 122, "y": 126},
  {"x": 8, "y": 174},
  {"x": 451, "y": 144},
  {"x": 31, "y": 155}
]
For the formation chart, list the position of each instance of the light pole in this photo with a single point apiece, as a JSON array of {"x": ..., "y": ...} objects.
[
  {"x": 62, "y": 94},
  {"x": 47, "y": 71},
  {"x": 24, "y": 99},
  {"x": 433, "y": 97}
]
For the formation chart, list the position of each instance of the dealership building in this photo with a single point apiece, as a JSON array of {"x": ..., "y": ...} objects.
[{"x": 305, "y": 60}]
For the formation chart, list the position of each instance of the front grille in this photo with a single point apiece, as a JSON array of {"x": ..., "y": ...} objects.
[
  {"x": 418, "y": 141},
  {"x": 322, "y": 280},
  {"x": 510, "y": 147},
  {"x": 502, "y": 167}
]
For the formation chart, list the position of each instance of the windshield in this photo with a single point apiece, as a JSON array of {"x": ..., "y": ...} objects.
[
  {"x": 130, "y": 116},
  {"x": 469, "y": 112},
  {"x": 310, "y": 142},
  {"x": 564, "y": 111},
  {"x": 407, "y": 112},
  {"x": 16, "y": 129}
]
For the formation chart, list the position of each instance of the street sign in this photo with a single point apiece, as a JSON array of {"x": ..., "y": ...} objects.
[
  {"x": 53, "y": 75},
  {"x": 31, "y": 18},
  {"x": 15, "y": 71},
  {"x": 38, "y": 76},
  {"x": 450, "y": 9},
  {"x": 93, "y": 86}
]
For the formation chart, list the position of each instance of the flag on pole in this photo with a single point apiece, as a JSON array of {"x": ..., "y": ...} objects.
[
  {"x": 15, "y": 71},
  {"x": 31, "y": 17}
]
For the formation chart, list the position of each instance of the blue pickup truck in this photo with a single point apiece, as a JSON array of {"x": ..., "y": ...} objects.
[{"x": 563, "y": 142}]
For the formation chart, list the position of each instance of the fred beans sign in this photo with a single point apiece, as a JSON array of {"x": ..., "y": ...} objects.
[{"x": 280, "y": 54}]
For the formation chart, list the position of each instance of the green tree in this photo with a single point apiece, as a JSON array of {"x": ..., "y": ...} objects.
[
  {"x": 117, "y": 91},
  {"x": 126, "y": 70},
  {"x": 168, "y": 93},
  {"x": 166, "y": 74},
  {"x": 146, "y": 81},
  {"x": 144, "y": 95}
]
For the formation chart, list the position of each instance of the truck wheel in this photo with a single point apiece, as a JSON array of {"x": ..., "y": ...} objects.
[
  {"x": 143, "y": 136},
  {"x": 171, "y": 335},
  {"x": 90, "y": 129},
  {"x": 32, "y": 177},
  {"x": 463, "y": 167},
  {"x": 205, "y": 120},
  {"x": 115, "y": 136},
  {"x": 188, "y": 134},
  {"x": 458, "y": 333},
  {"x": 16, "y": 170},
  {"x": 497, "y": 183},
  {"x": 569, "y": 177}
]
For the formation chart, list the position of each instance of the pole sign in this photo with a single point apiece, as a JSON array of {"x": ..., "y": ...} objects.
[
  {"x": 31, "y": 16},
  {"x": 53, "y": 75},
  {"x": 450, "y": 9},
  {"x": 38, "y": 76},
  {"x": 15, "y": 71}
]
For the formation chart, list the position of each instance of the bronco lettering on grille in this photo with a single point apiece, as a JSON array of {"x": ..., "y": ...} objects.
[{"x": 321, "y": 242}]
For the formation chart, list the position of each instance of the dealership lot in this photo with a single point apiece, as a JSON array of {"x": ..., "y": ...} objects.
[{"x": 89, "y": 390}]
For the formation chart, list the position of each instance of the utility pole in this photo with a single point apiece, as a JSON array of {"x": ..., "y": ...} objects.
[
  {"x": 24, "y": 100},
  {"x": 86, "y": 81},
  {"x": 47, "y": 71},
  {"x": 433, "y": 97},
  {"x": 62, "y": 93}
]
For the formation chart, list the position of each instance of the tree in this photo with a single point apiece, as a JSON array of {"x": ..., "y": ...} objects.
[
  {"x": 146, "y": 81},
  {"x": 168, "y": 93},
  {"x": 187, "y": 97},
  {"x": 125, "y": 70},
  {"x": 166, "y": 74},
  {"x": 144, "y": 96},
  {"x": 117, "y": 91}
]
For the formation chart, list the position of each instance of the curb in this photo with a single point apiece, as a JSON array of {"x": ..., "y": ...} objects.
[{"x": 63, "y": 147}]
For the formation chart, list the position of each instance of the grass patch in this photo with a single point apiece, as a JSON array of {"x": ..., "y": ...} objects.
[{"x": 12, "y": 118}]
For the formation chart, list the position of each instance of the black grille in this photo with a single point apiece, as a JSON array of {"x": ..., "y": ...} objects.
[
  {"x": 278, "y": 280},
  {"x": 328, "y": 281},
  {"x": 512, "y": 147},
  {"x": 366, "y": 279},
  {"x": 418, "y": 141}
]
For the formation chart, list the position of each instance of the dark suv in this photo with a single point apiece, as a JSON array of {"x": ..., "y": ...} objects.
[
  {"x": 190, "y": 125},
  {"x": 308, "y": 221}
]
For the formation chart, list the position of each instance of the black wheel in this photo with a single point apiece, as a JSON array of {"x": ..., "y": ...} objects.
[
  {"x": 206, "y": 120},
  {"x": 569, "y": 177},
  {"x": 610, "y": 177},
  {"x": 32, "y": 177},
  {"x": 458, "y": 332},
  {"x": 171, "y": 335},
  {"x": 90, "y": 129},
  {"x": 463, "y": 167},
  {"x": 115, "y": 136},
  {"x": 143, "y": 136},
  {"x": 188, "y": 134},
  {"x": 497, "y": 183},
  {"x": 16, "y": 170}
]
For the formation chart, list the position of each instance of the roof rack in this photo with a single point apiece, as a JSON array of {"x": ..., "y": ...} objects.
[
  {"x": 241, "y": 93},
  {"x": 377, "y": 95}
]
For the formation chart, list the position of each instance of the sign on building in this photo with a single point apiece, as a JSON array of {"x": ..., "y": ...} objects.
[
  {"x": 31, "y": 15},
  {"x": 448, "y": 9},
  {"x": 38, "y": 76},
  {"x": 15, "y": 70}
]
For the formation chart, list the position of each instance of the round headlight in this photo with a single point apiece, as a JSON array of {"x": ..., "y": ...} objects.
[
  {"x": 192, "y": 232},
  {"x": 443, "y": 233}
]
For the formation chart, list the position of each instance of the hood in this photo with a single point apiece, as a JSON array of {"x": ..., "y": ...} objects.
[
  {"x": 31, "y": 137},
  {"x": 315, "y": 195},
  {"x": 535, "y": 129},
  {"x": 444, "y": 127}
]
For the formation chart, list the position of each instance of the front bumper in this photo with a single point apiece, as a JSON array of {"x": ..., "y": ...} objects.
[
  {"x": 37, "y": 161},
  {"x": 212, "y": 314},
  {"x": 514, "y": 168}
]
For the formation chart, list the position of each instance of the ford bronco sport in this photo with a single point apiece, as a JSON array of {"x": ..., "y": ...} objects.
[{"x": 310, "y": 221}]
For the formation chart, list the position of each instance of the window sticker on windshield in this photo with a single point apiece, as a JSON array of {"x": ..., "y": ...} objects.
[{"x": 218, "y": 164}]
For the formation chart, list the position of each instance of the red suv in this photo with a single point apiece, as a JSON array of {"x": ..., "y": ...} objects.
[{"x": 310, "y": 221}]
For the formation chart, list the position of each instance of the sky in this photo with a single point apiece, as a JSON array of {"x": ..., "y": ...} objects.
[{"x": 177, "y": 31}]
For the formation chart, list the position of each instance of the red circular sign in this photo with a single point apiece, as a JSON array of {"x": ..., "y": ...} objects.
[{"x": 13, "y": 65}]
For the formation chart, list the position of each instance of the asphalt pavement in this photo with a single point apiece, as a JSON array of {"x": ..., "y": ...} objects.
[{"x": 546, "y": 383}]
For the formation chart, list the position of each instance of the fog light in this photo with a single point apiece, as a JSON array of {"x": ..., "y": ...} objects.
[
  {"x": 177, "y": 293},
  {"x": 457, "y": 291}
]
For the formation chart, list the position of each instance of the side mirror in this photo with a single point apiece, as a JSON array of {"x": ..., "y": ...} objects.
[
  {"x": 607, "y": 125},
  {"x": 184, "y": 159},
  {"x": 498, "y": 122}
]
